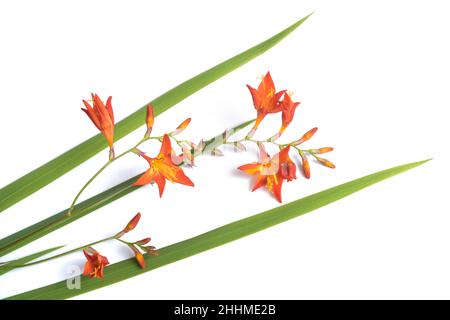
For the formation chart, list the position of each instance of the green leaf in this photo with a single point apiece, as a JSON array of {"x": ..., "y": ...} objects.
[
  {"x": 7, "y": 267},
  {"x": 217, "y": 237},
  {"x": 44, "y": 227},
  {"x": 40, "y": 177}
]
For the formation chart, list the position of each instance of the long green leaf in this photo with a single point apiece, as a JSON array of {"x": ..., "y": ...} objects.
[
  {"x": 40, "y": 177},
  {"x": 217, "y": 237},
  {"x": 44, "y": 227},
  {"x": 6, "y": 268}
]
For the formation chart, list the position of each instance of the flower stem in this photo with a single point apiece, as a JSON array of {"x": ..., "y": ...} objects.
[
  {"x": 72, "y": 205},
  {"x": 8, "y": 265},
  {"x": 280, "y": 145},
  {"x": 106, "y": 165}
]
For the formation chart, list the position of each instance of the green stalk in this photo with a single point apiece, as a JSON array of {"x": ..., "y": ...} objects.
[
  {"x": 217, "y": 237},
  {"x": 47, "y": 173},
  {"x": 6, "y": 267},
  {"x": 44, "y": 227}
]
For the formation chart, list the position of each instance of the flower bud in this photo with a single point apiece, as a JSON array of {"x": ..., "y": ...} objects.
[
  {"x": 181, "y": 127},
  {"x": 326, "y": 163},
  {"x": 133, "y": 223},
  {"x": 143, "y": 241},
  {"x": 149, "y": 119},
  {"x": 322, "y": 150},
  {"x": 305, "y": 166},
  {"x": 306, "y": 136},
  {"x": 138, "y": 255}
]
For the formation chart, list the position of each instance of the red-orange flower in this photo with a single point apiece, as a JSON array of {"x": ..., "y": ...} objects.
[
  {"x": 102, "y": 116},
  {"x": 95, "y": 264},
  {"x": 162, "y": 167},
  {"x": 271, "y": 171},
  {"x": 265, "y": 99},
  {"x": 288, "y": 110}
]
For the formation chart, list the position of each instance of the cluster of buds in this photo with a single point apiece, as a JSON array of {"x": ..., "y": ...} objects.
[{"x": 96, "y": 263}]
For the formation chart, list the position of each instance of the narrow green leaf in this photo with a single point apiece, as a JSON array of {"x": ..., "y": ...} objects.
[
  {"x": 44, "y": 227},
  {"x": 40, "y": 177},
  {"x": 6, "y": 268},
  {"x": 217, "y": 237}
]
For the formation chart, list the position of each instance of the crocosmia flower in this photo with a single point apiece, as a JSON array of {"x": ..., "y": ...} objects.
[
  {"x": 95, "y": 264},
  {"x": 102, "y": 116},
  {"x": 265, "y": 99},
  {"x": 288, "y": 110},
  {"x": 163, "y": 168},
  {"x": 270, "y": 172}
]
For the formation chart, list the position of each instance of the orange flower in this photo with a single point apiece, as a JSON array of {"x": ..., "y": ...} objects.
[
  {"x": 162, "y": 167},
  {"x": 265, "y": 99},
  {"x": 95, "y": 264},
  {"x": 288, "y": 110},
  {"x": 271, "y": 171},
  {"x": 102, "y": 116}
]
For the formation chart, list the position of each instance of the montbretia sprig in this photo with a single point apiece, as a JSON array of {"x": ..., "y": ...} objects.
[
  {"x": 95, "y": 262},
  {"x": 272, "y": 171}
]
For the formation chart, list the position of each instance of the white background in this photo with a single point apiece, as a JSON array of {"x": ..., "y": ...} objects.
[{"x": 372, "y": 75}]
